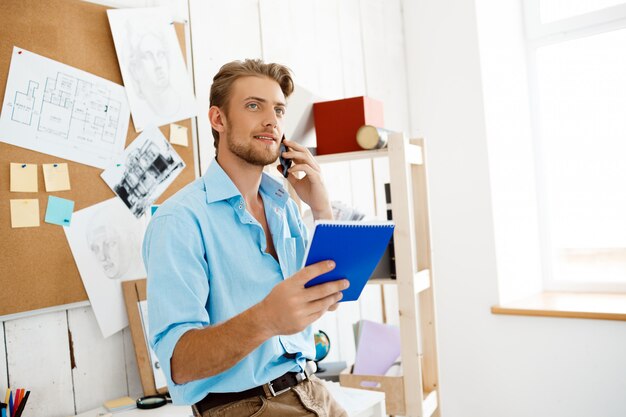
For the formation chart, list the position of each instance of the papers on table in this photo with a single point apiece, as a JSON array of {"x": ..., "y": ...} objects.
[
  {"x": 105, "y": 240},
  {"x": 149, "y": 165},
  {"x": 56, "y": 109},
  {"x": 156, "y": 80}
]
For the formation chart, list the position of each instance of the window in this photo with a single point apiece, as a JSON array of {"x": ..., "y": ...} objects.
[{"x": 578, "y": 68}]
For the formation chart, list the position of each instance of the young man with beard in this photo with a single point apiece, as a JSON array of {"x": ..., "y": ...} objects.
[{"x": 229, "y": 315}]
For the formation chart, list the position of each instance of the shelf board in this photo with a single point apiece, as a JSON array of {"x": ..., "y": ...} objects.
[
  {"x": 382, "y": 281},
  {"x": 352, "y": 156}
]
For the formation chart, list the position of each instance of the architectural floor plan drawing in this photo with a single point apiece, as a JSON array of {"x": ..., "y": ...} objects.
[{"x": 56, "y": 109}]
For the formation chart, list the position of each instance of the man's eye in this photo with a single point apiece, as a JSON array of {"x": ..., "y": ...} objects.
[
  {"x": 253, "y": 106},
  {"x": 280, "y": 111}
]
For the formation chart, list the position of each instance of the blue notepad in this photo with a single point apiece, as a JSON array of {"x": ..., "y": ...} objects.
[{"x": 356, "y": 247}]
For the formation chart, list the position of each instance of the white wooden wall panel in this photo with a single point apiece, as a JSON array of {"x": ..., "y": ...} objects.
[
  {"x": 4, "y": 383},
  {"x": 327, "y": 53},
  {"x": 362, "y": 186},
  {"x": 38, "y": 357},
  {"x": 133, "y": 380},
  {"x": 353, "y": 66},
  {"x": 100, "y": 372},
  {"x": 221, "y": 31},
  {"x": 385, "y": 64},
  {"x": 288, "y": 36}
]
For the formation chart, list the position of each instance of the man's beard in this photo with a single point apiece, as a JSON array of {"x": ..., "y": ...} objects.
[{"x": 251, "y": 154}]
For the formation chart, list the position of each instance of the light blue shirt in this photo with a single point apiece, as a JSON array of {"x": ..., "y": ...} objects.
[{"x": 206, "y": 262}]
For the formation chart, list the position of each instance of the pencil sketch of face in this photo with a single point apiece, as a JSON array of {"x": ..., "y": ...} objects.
[
  {"x": 107, "y": 246},
  {"x": 150, "y": 64},
  {"x": 149, "y": 67}
]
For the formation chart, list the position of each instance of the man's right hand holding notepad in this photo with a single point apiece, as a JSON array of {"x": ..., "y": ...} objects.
[
  {"x": 290, "y": 307},
  {"x": 340, "y": 259},
  {"x": 355, "y": 246}
]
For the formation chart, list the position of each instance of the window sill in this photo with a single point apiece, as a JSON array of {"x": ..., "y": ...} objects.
[{"x": 572, "y": 305}]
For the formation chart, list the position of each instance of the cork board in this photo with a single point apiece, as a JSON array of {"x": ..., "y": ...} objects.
[
  {"x": 37, "y": 269},
  {"x": 135, "y": 291}
]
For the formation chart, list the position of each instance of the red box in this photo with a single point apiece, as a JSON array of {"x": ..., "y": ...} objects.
[{"x": 337, "y": 121}]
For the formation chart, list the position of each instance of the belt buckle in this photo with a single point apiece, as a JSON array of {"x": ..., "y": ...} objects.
[{"x": 276, "y": 393}]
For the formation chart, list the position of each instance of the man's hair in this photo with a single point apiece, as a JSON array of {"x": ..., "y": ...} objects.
[{"x": 230, "y": 72}]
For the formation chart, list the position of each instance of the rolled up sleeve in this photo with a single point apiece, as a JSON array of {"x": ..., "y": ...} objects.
[{"x": 178, "y": 286}]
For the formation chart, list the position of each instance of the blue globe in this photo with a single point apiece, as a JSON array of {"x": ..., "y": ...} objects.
[{"x": 322, "y": 345}]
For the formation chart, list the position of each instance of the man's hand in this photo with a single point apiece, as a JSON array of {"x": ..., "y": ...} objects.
[
  {"x": 290, "y": 307},
  {"x": 311, "y": 187}
]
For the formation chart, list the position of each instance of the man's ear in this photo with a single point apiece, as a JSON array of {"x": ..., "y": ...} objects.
[{"x": 216, "y": 118}]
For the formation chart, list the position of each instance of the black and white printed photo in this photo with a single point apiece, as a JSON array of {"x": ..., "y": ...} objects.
[{"x": 147, "y": 168}]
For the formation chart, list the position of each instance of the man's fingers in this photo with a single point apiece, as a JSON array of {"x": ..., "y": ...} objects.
[
  {"x": 322, "y": 305},
  {"x": 321, "y": 291},
  {"x": 302, "y": 158},
  {"x": 309, "y": 272}
]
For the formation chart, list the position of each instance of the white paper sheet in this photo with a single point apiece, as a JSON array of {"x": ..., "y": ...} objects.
[
  {"x": 147, "y": 168},
  {"x": 105, "y": 240},
  {"x": 157, "y": 83},
  {"x": 299, "y": 123},
  {"x": 59, "y": 110},
  {"x": 157, "y": 371}
]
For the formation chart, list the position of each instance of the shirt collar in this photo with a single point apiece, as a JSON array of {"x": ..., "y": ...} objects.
[{"x": 218, "y": 186}]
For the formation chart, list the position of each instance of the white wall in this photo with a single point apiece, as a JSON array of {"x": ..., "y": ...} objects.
[
  {"x": 337, "y": 48},
  {"x": 491, "y": 366}
]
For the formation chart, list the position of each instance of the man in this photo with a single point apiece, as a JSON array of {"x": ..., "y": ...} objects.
[{"x": 229, "y": 315}]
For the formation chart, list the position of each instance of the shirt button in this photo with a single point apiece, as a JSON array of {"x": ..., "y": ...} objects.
[{"x": 240, "y": 206}]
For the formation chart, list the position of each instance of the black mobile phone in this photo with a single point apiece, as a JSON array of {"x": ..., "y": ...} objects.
[{"x": 284, "y": 162}]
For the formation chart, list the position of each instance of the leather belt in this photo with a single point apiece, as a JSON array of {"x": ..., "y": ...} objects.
[{"x": 271, "y": 389}]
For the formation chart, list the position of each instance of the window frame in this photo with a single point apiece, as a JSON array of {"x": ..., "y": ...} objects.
[{"x": 537, "y": 35}]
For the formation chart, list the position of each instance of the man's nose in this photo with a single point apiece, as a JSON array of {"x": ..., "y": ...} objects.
[{"x": 271, "y": 119}]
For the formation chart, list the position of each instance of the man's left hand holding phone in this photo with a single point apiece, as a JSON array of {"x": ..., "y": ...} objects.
[{"x": 295, "y": 158}]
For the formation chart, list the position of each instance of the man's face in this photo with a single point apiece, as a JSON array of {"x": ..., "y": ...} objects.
[{"x": 253, "y": 121}]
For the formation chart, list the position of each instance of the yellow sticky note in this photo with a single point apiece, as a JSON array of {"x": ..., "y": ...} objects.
[
  {"x": 56, "y": 177},
  {"x": 178, "y": 135},
  {"x": 25, "y": 213},
  {"x": 24, "y": 178}
]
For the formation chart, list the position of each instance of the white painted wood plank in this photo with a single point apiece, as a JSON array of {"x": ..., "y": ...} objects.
[
  {"x": 221, "y": 31},
  {"x": 391, "y": 304},
  {"x": 370, "y": 303},
  {"x": 289, "y": 39},
  {"x": 99, "y": 374},
  {"x": 338, "y": 181},
  {"x": 39, "y": 360},
  {"x": 385, "y": 63},
  {"x": 347, "y": 314},
  {"x": 362, "y": 185},
  {"x": 353, "y": 66},
  {"x": 133, "y": 380},
  {"x": 4, "y": 383},
  {"x": 327, "y": 52}
]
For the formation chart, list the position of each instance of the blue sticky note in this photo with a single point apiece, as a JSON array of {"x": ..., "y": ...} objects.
[{"x": 59, "y": 211}]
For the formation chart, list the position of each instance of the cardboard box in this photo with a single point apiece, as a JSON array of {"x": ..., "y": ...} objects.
[
  {"x": 337, "y": 121},
  {"x": 392, "y": 386}
]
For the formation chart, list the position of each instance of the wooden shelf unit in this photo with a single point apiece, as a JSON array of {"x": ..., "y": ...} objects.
[{"x": 415, "y": 392}]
